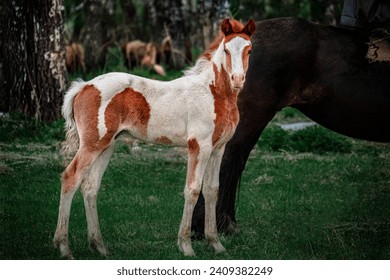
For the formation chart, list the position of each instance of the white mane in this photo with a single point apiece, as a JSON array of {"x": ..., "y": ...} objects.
[
  {"x": 201, "y": 64},
  {"x": 206, "y": 60}
]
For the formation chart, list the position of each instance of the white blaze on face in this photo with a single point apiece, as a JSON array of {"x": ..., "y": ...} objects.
[{"x": 237, "y": 52}]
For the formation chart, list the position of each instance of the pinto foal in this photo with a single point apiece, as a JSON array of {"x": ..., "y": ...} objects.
[{"x": 198, "y": 111}]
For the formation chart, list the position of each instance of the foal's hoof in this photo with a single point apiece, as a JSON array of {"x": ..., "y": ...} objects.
[
  {"x": 186, "y": 248},
  {"x": 96, "y": 246},
  {"x": 218, "y": 248},
  {"x": 65, "y": 251},
  {"x": 63, "y": 246}
]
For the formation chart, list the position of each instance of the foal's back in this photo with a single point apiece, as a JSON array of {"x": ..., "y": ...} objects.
[{"x": 150, "y": 110}]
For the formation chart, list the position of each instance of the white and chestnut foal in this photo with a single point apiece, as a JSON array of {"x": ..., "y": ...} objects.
[{"x": 198, "y": 111}]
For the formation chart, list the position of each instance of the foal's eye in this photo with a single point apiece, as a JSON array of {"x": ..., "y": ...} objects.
[{"x": 249, "y": 52}]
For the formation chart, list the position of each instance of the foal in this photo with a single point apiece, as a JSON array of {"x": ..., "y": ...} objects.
[{"x": 198, "y": 111}]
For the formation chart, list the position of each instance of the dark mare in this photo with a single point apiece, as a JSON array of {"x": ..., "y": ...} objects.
[{"x": 320, "y": 70}]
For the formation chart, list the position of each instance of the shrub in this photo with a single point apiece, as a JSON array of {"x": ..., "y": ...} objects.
[
  {"x": 16, "y": 128},
  {"x": 315, "y": 139},
  {"x": 274, "y": 138},
  {"x": 319, "y": 140}
]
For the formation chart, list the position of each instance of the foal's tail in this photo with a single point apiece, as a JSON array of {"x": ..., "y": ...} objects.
[{"x": 72, "y": 139}]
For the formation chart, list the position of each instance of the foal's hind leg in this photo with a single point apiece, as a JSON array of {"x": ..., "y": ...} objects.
[
  {"x": 70, "y": 182},
  {"x": 210, "y": 193},
  {"x": 90, "y": 187}
]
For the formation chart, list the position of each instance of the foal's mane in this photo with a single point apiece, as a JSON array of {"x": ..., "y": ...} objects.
[{"x": 205, "y": 58}]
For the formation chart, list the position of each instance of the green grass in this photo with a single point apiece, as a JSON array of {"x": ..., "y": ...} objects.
[{"x": 292, "y": 205}]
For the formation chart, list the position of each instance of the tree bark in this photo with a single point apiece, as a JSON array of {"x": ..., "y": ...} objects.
[
  {"x": 211, "y": 13},
  {"x": 168, "y": 19},
  {"x": 129, "y": 28},
  {"x": 97, "y": 34},
  {"x": 33, "y": 58}
]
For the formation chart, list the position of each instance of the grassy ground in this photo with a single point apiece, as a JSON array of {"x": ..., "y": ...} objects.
[{"x": 317, "y": 203}]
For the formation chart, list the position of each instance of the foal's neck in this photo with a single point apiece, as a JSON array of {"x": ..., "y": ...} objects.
[
  {"x": 212, "y": 71},
  {"x": 221, "y": 84}
]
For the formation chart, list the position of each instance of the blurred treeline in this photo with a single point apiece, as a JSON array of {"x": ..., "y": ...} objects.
[
  {"x": 98, "y": 25},
  {"x": 42, "y": 41}
]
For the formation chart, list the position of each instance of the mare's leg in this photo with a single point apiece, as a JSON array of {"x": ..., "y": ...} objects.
[
  {"x": 90, "y": 187},
  {"x": 210, "y": 193},
  {"x": 71, "y": 179},
  {"x": 198, "y": 157}
]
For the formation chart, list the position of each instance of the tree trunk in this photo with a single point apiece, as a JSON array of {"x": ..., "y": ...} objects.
[
  {"x": 212, "y": 12},
  {"x": 129, "y": 29},
  {"x": 33, "y": 58},
  {"x": 97, "y": 34},
  {"x": 168, "y": 19}
]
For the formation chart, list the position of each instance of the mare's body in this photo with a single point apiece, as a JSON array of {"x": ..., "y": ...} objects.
[{"x": 320, "y": 70}]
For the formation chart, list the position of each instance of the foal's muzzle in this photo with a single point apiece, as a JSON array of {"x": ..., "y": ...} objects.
[{"x": 237, "y": 80}]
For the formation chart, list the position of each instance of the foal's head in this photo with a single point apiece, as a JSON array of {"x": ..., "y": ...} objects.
[{"x": 236, "y": 47}]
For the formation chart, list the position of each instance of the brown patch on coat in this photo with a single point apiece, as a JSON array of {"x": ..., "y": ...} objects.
[
  {"x": 245, "y": 57},
  {"x": 163, "y": 140},
  {"x": 75, "y": 170},
  {"x": 68, "y": 181},
  {"x": 225, "y": 107},
  {"x": 128, "y": 108},
  {"x": 193, "y": 152},
  {"x": 85, "y": 110}
]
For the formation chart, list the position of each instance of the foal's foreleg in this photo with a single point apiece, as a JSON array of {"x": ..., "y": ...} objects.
[
  {"x": 90, "y": 187},
  {"x": 197, "y": 161},
  {"x": 70, "y": 182},
  {"x": 210, "y": 193}
]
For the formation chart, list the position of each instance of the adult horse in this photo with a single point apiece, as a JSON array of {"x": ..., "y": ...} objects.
[{"x": 320, "y": 70}]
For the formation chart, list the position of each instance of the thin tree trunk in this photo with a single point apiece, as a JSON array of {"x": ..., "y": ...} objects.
[
  {"x": 212, "y": 12},
  {"x": 205, "y": 19},
  {"x": 33, "y": 58},
  {"x": 97, "y": 33},
  {"x": 168, "y": 19},
  {"x": 129, "y": 28}
]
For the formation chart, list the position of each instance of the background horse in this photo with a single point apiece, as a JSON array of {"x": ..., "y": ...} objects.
[
  {"x": 198, "y": 111},
  {"x": 74, "y": 58},
  {"x": 320, "y": 70}
]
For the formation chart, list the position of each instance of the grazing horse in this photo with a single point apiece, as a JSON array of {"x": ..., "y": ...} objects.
[
  {"x": 152, "y": 57},
  {"x": 320, "y": 70},
  {"x": 74, "y": 58},
  {"x": 198, "y": 111},
  {"x": 133, "y": 52},
  {"x": 137, "y": 53}
]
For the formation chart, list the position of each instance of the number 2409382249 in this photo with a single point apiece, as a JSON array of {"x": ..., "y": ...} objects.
[{"x": 237, "y": 270}]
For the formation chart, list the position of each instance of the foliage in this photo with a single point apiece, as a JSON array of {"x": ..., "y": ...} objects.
[
  {"x": 319, "y": 140},
  {"x": 313, "y": 139},
  {"x": 16, "y": 128},
  {"x": 274, "y": 138}
]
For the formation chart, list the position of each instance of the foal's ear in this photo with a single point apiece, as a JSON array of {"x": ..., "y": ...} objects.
[
  {"x": 249, "y": 28},
  {"x": 226, "y": 27}
]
